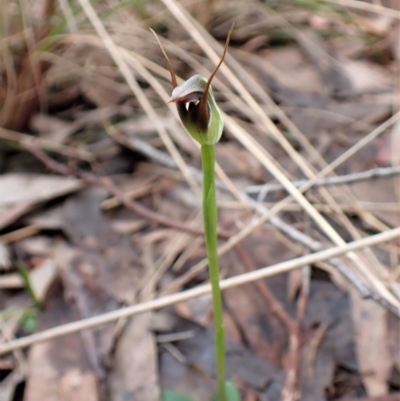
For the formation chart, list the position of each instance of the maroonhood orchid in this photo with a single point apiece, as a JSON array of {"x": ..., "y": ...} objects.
[
  {"x": 196, "y": 104},
  {"x": 202, "y": 118}
]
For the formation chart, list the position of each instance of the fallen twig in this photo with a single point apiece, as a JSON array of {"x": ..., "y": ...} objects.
[
  {"x": 201, "y": 290},
  {"x": 107, "y": 183},
  {"x": 336, "y": 180},
  {"x": 25, "y": 140},
  {"x": 291, "y": 325},
  {"x": 275, "y": 221}
]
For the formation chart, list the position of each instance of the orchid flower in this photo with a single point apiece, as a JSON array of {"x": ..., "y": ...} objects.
[{"x": 202, "y": 118}]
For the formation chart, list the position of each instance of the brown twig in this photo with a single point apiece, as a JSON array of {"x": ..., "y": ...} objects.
[
  {"x": 381, "y": 172},
  {"x": 288, "y": 229},
  {"x": 182, "y": 296},
  {"x": 292, "y": 327},
  {"x": 24, "y": 141},
  {"x": 107, "y": 183}
]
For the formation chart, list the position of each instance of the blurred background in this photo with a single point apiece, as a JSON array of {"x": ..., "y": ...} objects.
[{"x": 100, "y": 198}]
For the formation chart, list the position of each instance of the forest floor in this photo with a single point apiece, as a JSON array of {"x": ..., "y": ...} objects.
[{"x": 102, "y": 258}]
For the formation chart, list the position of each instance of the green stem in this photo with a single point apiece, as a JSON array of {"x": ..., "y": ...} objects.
[{"x": 210, "y": 230}]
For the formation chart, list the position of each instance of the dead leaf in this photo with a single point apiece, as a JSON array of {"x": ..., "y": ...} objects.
[
  {"x": 184, "y": 377},
  {"x": 134, "y": 368},
  {"x": 42, "y": 277},
  {"x": 371, "y": 340},
  {"x": 99, "y": 273},
  {"x": 33, "y": 188},
  {"x": 57, "y": 375},
  {"x": 259, "y": 328},
  {"x": 21, "y": 191},
  {"x": 85, "y": 285},
  {"x": 240, "y": 362},
  {"x": 59, "y": 369},
  {"x": 106, "y": 259}
]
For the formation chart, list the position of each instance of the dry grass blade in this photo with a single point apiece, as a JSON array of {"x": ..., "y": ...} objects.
[
  {"x": 208, "y": 44},
  {"x": 265, "y": 214},
  {"x": 355, "y": 148},
  {"x": 201, "y": 37},
  {"x": 69, "y": 16},
  {"x": 294, "y": 135},
  {"x": 364, "y": 6},
  {"x": 308, "y": 206},
  {"x": 203, "y": 289},
  {"x": 264, "y": 158},
  {"x": 345, "y": 156},
  {"x": 336, "y": 180},
  {"x": 133, "y": 85}
]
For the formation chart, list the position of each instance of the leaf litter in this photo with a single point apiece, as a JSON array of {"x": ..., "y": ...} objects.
[{"x": 325, "y": 77}]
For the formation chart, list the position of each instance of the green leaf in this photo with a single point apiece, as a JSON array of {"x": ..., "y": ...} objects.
[
  {"x": 29, "y": 324},
  {"x": 24, "y": 273},
  {"x": 171, "y": 395},
  {"x": 232, "y": 393},
  {"x": 29, "y": 320}
]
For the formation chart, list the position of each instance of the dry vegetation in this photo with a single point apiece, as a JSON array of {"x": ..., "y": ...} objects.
[{"x": 103, "y": 292}]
